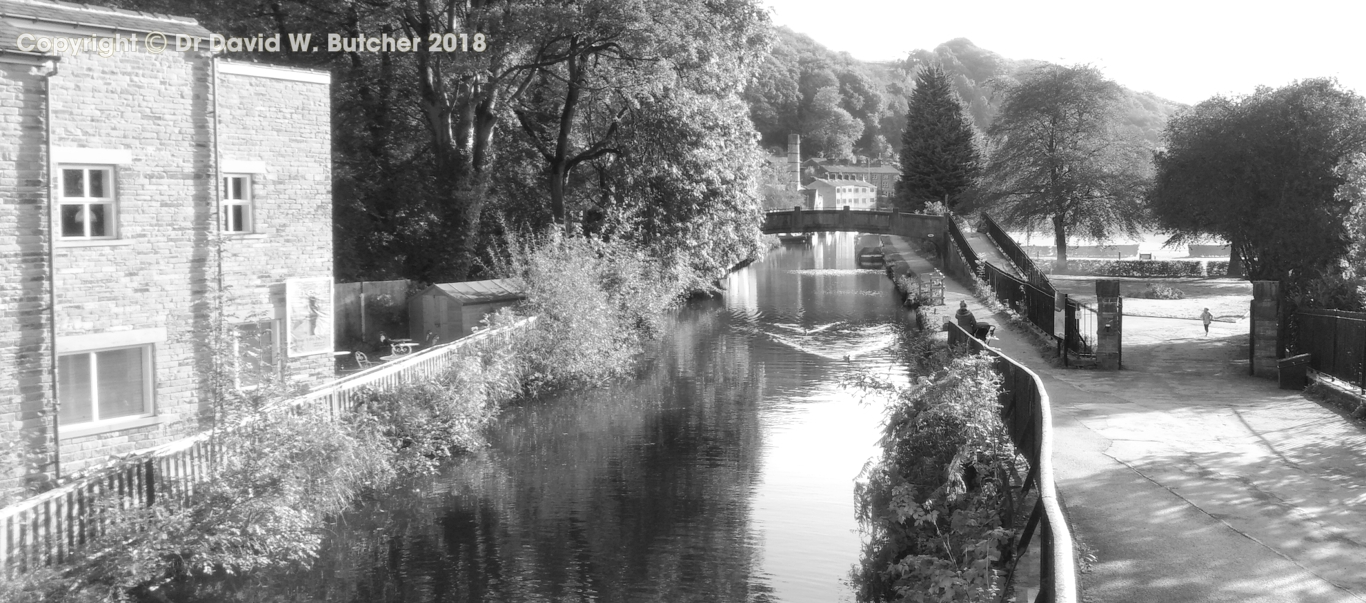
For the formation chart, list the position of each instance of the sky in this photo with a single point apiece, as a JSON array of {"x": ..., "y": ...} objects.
[{"x": 1185, "y": 51}]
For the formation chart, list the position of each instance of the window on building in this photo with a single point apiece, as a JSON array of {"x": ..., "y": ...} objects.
[
  {"x": 104, "y": 385},
  {"x": 87, "y": 202},
  {"x": 237, "y": 203},
  {"x": 255, "y": 348}
]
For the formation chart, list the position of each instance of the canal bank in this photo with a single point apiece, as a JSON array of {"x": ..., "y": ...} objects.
[{"x": 723, "y": 472}]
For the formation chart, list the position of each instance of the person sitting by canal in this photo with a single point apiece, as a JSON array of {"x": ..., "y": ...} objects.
[
  {"x": 965, "y": 318},
  {"x": 980, "y": 330}
]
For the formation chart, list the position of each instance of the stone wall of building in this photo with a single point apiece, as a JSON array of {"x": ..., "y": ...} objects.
[
  {"x": 155, "y": 108},
  {"x": 24, "y": 342},
  {"x": 278, "y": 120},
  {"x": 149, "y": 118}
]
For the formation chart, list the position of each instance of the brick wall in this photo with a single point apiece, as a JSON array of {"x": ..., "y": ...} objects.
[
  {"x": 160, "y": 275},
  {"x": 24, "y": 350},
  {"x": 272, "y": 118},
  {"x": 156, "y": 273}
]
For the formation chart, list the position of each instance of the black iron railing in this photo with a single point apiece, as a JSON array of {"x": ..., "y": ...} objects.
[
  {"x": 1335, "y": 341},
  {"x": 1024, "y": 298},
  {"x": 964, "y": 249},
  {"x": 1028, "y": 417},
  {"x": 1017, "y": 254}
]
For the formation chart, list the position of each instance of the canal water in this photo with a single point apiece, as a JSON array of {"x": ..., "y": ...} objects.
[{"x": 724, "y": 473}]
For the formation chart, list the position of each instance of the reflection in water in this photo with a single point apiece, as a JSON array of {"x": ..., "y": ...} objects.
[{"x": 724, "y": 473}]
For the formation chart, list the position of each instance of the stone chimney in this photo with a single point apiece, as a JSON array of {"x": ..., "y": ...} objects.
[{"x": 794, "y": 159}]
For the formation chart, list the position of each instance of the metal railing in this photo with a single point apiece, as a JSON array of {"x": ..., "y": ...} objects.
[
  {"x": 1017, "y": 254},
  {"x": 1079, "y": 329},
  {"x": 1028, "y": 417},
  {"x": 1027, "y": 300},
  {"x": 47, "y": 528},
  {"x": 959, "y": 240},
  {"x": 1335, "y": 341}
]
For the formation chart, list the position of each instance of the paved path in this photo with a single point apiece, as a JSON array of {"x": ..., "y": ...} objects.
[
  {"x": 1194, "y": 482},
  {"x": 987, "y": 250}
]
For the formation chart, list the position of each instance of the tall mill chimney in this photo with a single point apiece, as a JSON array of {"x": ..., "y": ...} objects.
[{"x": 794, "y": 159}]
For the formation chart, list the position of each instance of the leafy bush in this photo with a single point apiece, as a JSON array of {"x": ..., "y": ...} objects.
[
  {"x": 425, "y": 424},
  {"x": 1216, "y": 268},
  {"x": 264, "y": 505},
  {"x": 1134, "y": 268},
  {"x": 598, "y": 303},
  {"x": 933, "y": 506},
  {"x": 1161, "y": 291}
]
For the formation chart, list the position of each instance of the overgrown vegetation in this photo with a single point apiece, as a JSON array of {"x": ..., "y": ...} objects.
[
  {"x": 282, "y": 473},
  {"x": 598, "y": 303},
  {"x": 936, "y": 507}
]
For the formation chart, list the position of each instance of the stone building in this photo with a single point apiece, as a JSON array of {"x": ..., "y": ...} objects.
[
  {"x": 144, "y": 193},
  {"x": 882, "y": 176},
  {"x": 838, "y": 194}
]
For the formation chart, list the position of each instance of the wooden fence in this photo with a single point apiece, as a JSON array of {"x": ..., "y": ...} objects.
[
  {"x": 47, "y": 528},
  {"x": 1028, "y": 417}
]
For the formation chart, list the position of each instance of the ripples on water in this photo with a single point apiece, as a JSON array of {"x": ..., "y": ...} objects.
[{"x": 724, "y": 473}]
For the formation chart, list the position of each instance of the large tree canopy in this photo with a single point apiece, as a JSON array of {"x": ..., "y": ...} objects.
[
  {"x": 1264, "y": 172},
  {"x": 527, "y": 124},
  {"x": 939, "y": 154},
  {"x": 1060, "y": 157}
]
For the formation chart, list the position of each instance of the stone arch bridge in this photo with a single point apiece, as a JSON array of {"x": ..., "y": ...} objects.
[{"x": 922, "y": 228}]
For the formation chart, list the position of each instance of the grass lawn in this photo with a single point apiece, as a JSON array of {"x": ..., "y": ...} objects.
[{"x": 1227, "y": 299}]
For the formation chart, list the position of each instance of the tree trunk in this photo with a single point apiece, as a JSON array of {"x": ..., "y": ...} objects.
[
  {"x": 559, "y": 164},
  {"x": 1060, "y": 239},
  {"x": 1235, "y": 262}
]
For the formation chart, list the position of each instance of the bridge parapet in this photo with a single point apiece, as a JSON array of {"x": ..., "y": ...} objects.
[{"x": 916, "y": 227}]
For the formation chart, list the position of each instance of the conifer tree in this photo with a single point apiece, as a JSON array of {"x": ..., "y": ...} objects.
[{"x": 939, "y": 153}]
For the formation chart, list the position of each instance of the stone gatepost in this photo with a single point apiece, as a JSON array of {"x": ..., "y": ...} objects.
[
  {"x": 1265, "y": 330},
  {"x": 1109, "y": 326}
]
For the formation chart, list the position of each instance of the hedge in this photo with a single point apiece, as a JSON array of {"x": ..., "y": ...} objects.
[{"x": 1138, "y": 268}]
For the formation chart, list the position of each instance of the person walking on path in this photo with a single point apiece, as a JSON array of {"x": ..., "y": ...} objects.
[{"x": 1206, "y": 318}]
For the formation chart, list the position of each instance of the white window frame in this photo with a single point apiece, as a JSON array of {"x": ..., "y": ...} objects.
[
  {"x": 110, "y": 200},
  {"x": 148, "y": 385},
  {"x": 246, "y": 202},
  {"x": 277, "y": 354}
]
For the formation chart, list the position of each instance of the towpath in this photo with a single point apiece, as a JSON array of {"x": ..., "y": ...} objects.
[{"x": 1192, "y": 481}]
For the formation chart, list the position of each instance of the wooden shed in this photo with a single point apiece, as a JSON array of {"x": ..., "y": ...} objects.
[{"x": 453, "y": 310}]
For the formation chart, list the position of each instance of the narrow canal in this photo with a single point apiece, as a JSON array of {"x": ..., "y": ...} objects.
[{"x": 724, "y": 473}]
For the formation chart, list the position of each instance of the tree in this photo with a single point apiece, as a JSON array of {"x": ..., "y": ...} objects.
[
  {"x": 939, "y": 154},
  {"x": 1266, "y": 173},
  {"x": 836, "y": 103},
  {"x": 828, "y": 127},
  {"x": 602, "y": 61},
  {"x": 688, "y": 183},
  {"x": 1060, "y": 159}
]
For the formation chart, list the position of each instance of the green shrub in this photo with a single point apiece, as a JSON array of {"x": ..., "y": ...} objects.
[
  {"x": 1161, "y": 291},
  {"x": 424, "y": 424},
  {"x": 1133, "y": 268},
  {"x": 597, "y": 304},
  {"x": 264, "y": 505},
  {"x": 932, "y": 507}
]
